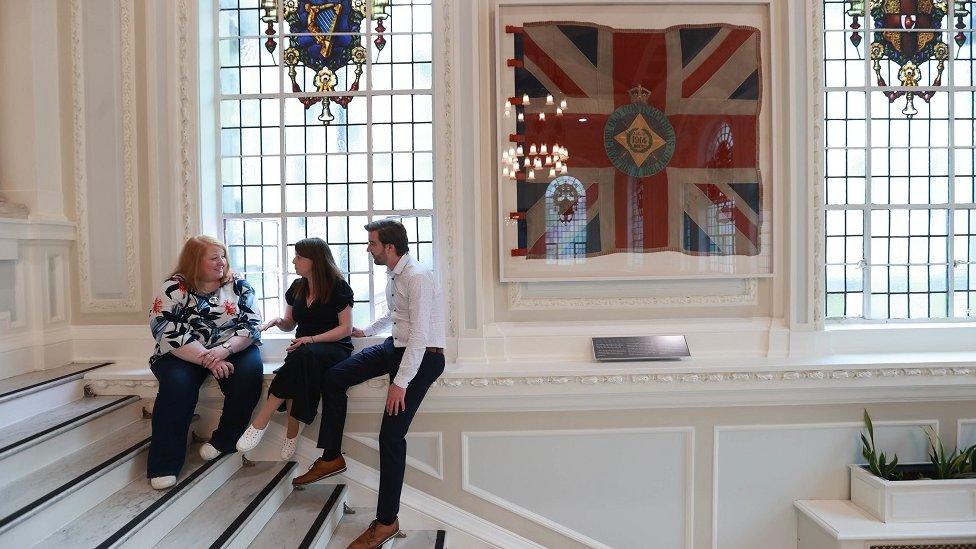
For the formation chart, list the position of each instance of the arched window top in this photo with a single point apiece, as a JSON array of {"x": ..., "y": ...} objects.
[{"x": 566, "y": 218}]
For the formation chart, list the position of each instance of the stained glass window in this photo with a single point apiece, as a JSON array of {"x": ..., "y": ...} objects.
[
  {"x": 325, "y": 123},
  {"x": 898, "y": 160},
  {"x": 565, "y": 218}
]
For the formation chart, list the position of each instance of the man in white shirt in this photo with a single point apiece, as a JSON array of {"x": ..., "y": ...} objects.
[{"x": 413, "y": 357}]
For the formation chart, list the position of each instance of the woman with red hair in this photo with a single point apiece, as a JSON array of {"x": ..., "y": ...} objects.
[{"x": 204, "y": 322}]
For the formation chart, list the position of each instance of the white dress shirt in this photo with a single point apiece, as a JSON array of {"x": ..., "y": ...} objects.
[{"x": 414, "y": 307}]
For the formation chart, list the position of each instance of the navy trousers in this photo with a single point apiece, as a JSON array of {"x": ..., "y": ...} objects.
[
  {"x": 179, "y": 388},
  {"x": 369, "y": 363}
]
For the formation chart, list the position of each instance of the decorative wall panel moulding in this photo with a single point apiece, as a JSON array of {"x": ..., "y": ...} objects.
[
  {"x": 517, "y": 299},
  {"x": 815, "y": 183},
  {"x": 131, "y": 301},
  {"x": 681, "y": 496},
  {"x": 188, "y": 122},
  {"x": 449, "y": 174},
  {"x": 414, "y": 440}
]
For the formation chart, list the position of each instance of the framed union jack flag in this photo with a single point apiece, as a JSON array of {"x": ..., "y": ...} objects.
[{"x": 661, "y": 134}]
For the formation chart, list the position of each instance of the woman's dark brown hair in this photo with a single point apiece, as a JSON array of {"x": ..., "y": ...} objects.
[{"x": 325, "y": 272}]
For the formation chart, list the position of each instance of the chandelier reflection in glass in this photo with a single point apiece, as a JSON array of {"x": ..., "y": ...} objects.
[
  {"x": 325, "y": 41},
  {"x": 524, "y": 161},
  {"x": 894, "y": 24}
]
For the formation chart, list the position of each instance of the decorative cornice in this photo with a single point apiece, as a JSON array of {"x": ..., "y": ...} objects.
[
  {"x": 815, "y": 182},
  {"x": 518, "y": 301},
  {"x": 449, "y": 177},
  {"x": 131, "y": 302},
  {"x": 714, "y": 378},
  {"x": 840, "y": 376}
]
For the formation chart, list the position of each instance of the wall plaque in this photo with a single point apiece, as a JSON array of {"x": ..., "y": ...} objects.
[{"x": 663, "y": 347}]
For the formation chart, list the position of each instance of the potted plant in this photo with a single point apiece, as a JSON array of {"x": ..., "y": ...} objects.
[{"x": 942, "y": 490}]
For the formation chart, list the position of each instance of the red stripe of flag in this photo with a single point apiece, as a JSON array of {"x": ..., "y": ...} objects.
[
  {"x": 711, "y": 65},
  {"x": 583, "y": 139},
  {"x": 696, "y": 137},
  {"x": 640, "y": 59},
  {"x": 532, "y": 51}
]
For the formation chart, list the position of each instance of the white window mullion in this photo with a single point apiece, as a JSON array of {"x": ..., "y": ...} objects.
[
  {"x": 868, "y": 200},
  {"x": 368, "y": 43},
  {"x": 282, "y": 159},
  {"x": 951, "y": 210}
]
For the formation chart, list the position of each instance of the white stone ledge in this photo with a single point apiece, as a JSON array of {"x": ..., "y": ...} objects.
[{"x": 688, "y": 383}]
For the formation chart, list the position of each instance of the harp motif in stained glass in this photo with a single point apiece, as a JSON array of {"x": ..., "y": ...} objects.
[
  {"x": 906, "y": 33},
  {"x": 325, "y": 41}
]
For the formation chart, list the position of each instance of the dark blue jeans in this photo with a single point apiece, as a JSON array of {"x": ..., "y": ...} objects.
[
  {"x": 179, "y": 388},
  {"x": 365, "y": 365}
]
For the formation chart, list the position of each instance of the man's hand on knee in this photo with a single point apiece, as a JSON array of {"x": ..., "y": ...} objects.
[{"x": 396, "y": 399}]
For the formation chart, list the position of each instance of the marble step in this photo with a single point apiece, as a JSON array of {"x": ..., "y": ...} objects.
[
  {"x": 29, "y": 394},
  {"x": 58, "y": 493},
  {"x": 137, "y": 515},
  {"x": 33, "y": 443},
  {"x": 234, "y": 514},
  {"x": 306, "y": 519},
  {"x": 355, "y": 523}
]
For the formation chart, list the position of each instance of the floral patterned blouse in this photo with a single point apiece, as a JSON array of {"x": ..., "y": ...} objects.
[{"x": 179, "y": 316}]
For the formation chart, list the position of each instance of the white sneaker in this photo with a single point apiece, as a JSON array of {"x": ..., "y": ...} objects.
[
  {"x": 208, "y": 452},
  {"x": 250, "y": 439},
  {"x": 288, "y": 448},
  {"x": 162, "y": 483}
]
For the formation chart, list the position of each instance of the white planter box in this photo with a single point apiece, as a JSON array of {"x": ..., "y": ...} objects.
[{"x": 913, "y": 500}]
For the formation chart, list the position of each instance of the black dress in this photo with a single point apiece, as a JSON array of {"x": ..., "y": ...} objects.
[{"x": 300, "y": 378}]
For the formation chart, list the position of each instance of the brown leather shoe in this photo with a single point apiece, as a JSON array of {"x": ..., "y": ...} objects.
[
  {"x": 319, "y": 470},
  {"x": 376, "y": 535}
]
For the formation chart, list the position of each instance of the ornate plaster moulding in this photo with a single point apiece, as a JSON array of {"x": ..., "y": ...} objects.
[
  {"x": 714, "y": 379},
  {"x": 517, "y": 300}
]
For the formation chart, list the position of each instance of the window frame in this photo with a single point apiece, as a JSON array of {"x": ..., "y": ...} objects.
[
  {"x": 819, "y": 150},
  {"x": 211, "y": 150}
]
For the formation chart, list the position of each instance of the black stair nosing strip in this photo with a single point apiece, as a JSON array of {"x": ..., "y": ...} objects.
[
  {"x": 11, "y": 446},
  {"x": 52, "y": 380},
  {"x": 131, "y": 450},
  {"x": 148, "y": 511},
  {"x": 255, "y": 502},
  {"x": 439, "y": 543},
  {"x": 324, "y": 513}
]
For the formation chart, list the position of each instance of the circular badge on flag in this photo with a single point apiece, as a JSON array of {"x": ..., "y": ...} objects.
[{"x": 638, "y": 139}]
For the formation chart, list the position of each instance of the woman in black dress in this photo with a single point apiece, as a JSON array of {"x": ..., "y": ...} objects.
[{"x": 320, "y": 304}]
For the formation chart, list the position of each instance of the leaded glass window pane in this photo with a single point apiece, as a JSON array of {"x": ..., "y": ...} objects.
[
  {"x": 898, "y": 160},
  {"x": 325, "y": 123}
]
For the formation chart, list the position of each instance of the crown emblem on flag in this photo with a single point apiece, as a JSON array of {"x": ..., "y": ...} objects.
[{"x": 639, "y": 94}]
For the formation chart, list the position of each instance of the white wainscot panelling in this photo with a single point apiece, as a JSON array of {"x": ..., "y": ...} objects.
[
  {"x": 57, "y": 287},
  {"x": 106, "y": 197},
  {"x": 595, "y": 486},
  {"x": 967, "y": 433},
  {"x": 759, "y": 470},
  {"x": 9, "y": 309},
  {"x": 424, "y": 450}
]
